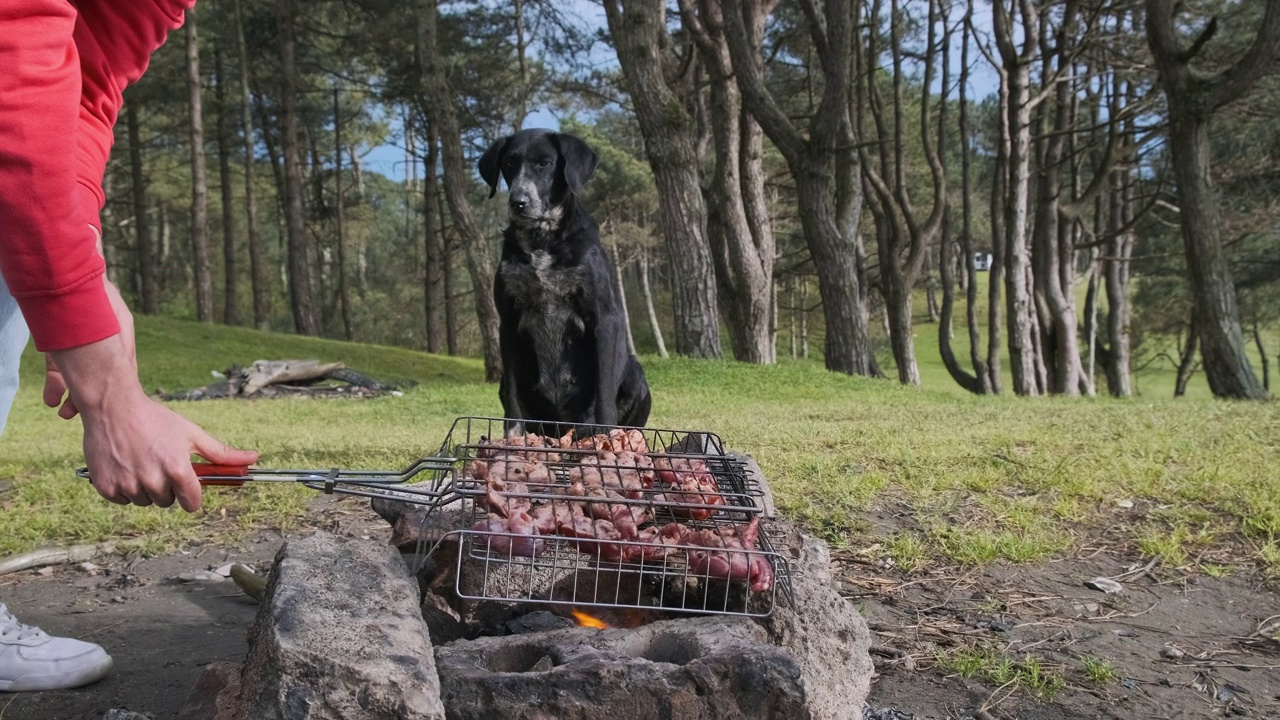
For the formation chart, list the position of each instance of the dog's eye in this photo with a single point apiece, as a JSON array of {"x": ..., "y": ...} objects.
[{"x": 544, "y": 163}]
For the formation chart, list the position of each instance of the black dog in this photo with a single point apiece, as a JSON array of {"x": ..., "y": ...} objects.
[{"x": 564, "y": 352}]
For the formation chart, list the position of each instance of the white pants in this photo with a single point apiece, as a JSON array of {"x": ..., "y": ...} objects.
[{"x": 13, "y": 339}]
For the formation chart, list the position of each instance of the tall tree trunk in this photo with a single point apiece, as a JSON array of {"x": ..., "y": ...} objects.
[
  {"x": 931, "y": 285},
  {"x": 410, "y": 179},
  {"x": 648, "y": 303},
  {"x": 622, "y": 299},
  {"x": 199, "y": 183},
  {"x": 1187, "y": 360},
  {"x": 1116, "y": 281},
  {"x": 791, "y": 317},
  {"x": 902, "y": 238},
  {"x": 995, "y": 273},
  {"x": 1052, "y": 255},
  {"x": 361, "y": 239},
  {"x": 344, "y": 294},
  {"x": 1090, "y": 328},
  {"x": 230, "y": 304},
  {"x": 450, "y": 282},
  {"x": 824, "y": 163},
  {"x": 257, "y": 262},
  {"x": 971, "y": 382},
  {"x": 166, "y": 251},
  {"x": 981, "y": 373},
  {"x": 738, "y": 225},
  {"x": 1192, "y": 101},
  {"x": 804, "y": 317},
  {"x": 1262, "y": 353},
  {"x": 301, "y": 293},
  {"x": 433, "y": 247},
  {"x": 322, "y": 270},
  {"x": 147, "y": 257},
  {"x": 1015, "y": 93},
  {"x": 638, "y": 28},
  {"x": 456, "y": 182}
]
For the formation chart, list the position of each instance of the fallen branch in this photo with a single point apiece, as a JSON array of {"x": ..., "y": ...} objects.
[
  {"x": 53, "y": 556},
  {"x": 1113, "y": 614},
  {"x": 1144, "y": 570}
]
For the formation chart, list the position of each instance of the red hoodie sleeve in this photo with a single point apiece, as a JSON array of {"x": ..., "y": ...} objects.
[{"x": 62, "y": 72}]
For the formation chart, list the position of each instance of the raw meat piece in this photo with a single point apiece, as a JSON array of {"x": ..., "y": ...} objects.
[
  {"x": 725, "y": 555},
  {"x": 520, "y": 524}
]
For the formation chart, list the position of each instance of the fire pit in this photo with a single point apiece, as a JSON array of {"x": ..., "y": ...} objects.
[{"x": 601, "y": 573}]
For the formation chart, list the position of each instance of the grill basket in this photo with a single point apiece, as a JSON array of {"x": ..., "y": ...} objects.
[{"x": 614, "y": 517}]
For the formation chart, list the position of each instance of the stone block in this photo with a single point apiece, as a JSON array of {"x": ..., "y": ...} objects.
[
  {"x": 339, "y": 636},
  {"x": 707, "y": 667}
]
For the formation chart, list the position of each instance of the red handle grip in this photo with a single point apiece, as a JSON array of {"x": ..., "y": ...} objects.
[{"x": 205, "y": 469}]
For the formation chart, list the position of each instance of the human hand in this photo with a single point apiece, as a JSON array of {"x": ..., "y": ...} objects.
[{"x": 137, "y": 450}]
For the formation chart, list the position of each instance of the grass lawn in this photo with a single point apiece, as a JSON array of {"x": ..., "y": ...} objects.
[{"x": 964, "y": 479}]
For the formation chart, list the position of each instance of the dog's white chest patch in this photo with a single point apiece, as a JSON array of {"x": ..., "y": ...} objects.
[
  {"x": 541, "y": 261},
  {"x": 540, "y": 282}
]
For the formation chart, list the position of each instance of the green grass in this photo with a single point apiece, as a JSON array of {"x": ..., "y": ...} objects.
[
  {"x": 970, "y": 479},
  {"x": 995, "y": 667},
  {"x": 1099, "y": 671}
]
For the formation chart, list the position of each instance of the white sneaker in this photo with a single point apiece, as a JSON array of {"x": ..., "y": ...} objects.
[{"x": 31, "y": 660}]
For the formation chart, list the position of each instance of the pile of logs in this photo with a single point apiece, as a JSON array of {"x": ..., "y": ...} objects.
[{"x": 287, "y": 378}]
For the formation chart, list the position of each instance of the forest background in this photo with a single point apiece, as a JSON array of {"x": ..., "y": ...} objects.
[{"x": 1037, "y": 197}]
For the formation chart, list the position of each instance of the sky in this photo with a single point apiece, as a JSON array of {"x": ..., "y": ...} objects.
[{"x": 389, "y": 159}]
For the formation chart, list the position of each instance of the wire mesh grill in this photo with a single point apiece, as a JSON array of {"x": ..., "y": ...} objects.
[{"x": 610, "y": 517}]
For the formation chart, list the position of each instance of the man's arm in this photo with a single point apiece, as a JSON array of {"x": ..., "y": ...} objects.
[
  {"x": 47, "y": 250},
  {"x": 54, "y": 141}
]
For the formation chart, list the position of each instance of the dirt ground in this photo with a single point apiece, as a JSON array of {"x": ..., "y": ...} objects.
[
  {"x": 159, "y": 630},
  {"x": 1180, "y": 647}
]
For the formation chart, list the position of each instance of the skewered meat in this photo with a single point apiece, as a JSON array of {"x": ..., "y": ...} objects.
[
  {"x": 659, "y": 541},
  {"x": 725, "y": 555},
  {"x": 507, "y": 480},
  {"x": 512, "y": 468},
  {"x": 520, "y": 524},
  {"x": 604, "y": 539},
  {"x": 548, "y": 518},
  {"x": 529, "y": 446},
  {"x": 506, "y": 498},
  {"x": 593, "y": 481},
  {"x": 597, "y": 537},
  {"x": 626, "y": 472},
  {"x": 687, "y": 481},
  {"x": 616, "y": 440}
]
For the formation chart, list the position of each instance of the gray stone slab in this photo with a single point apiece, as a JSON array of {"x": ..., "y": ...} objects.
[
  {"x": 709, "y": 667},
  {"x": 824, "y": 633},
  {"x": 339, "y": 636}
]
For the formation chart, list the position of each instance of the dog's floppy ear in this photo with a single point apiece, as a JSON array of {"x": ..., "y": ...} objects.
[
  {"x": 491, "y": 163},
  {"x": 579, "y": 160}
]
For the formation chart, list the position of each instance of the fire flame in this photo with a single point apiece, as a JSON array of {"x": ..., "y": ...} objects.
[{"x": 586, "y": 620}]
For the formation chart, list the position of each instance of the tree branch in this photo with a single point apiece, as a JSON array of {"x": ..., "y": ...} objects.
[
  {"x": 1230, "y": 84},
  {"x": 755, "y": 95}
]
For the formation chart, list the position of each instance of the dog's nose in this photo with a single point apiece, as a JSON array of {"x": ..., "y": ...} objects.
[{"x": 519, "y": 203}]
